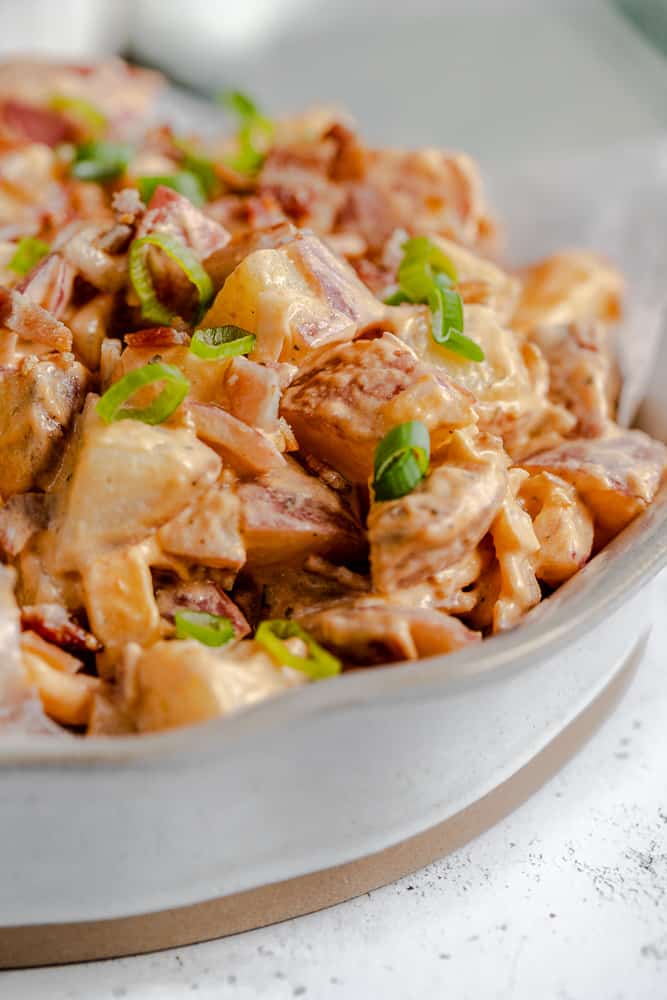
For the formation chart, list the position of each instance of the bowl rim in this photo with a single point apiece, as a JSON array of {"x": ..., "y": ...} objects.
[{"x": 614, "y": 575}]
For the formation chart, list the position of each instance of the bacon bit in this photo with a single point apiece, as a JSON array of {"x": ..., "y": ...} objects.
[
  {"x": 201, "y": 596},
  {"x": 37, "y": 124},
  {"x": 50, "y": 284},
  {"x": 158, "y": 336},
  {"x": 127, "y": 206},
  {"x": 23, "y": 316},
  {"x": 116, "y": 239},
  {"x": 349, "y": 162},
  {"x": 377, "y": 278},
  {"x": 263, "y": 211},
  {"x": 246, "y": 449},
  {"x": 329, "y": 476},
  {"x": 172, "y": 213},
  {"x": 52, "y": 623}
]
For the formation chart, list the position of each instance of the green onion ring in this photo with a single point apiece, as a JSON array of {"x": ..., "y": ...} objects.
[
  {"x": 318, "y": 664},
  {"x": 110, "y": 406},
  {"x": 140, "y": 276},
  {"x": 422, "y": 247},
  {"x": 447, "y": 324},
  {"x": 401, "y": 460},
  {"x": 211, "y": 630},
  {"x": 29, "y": 251},
  {"x": 222, "y": 342}
]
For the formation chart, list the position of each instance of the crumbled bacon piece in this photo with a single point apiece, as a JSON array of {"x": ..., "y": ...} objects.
[{"x": 52, "y": 622}]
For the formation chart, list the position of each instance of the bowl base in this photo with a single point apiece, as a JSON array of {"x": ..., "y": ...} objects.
[{"x": 57, "y": 944}]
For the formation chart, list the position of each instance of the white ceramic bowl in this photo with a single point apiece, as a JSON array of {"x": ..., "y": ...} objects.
[{"x": 99, "y": 829}]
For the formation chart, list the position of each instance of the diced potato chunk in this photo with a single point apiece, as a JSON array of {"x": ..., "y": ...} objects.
[
  {"x": 208, "y": 533},
  {"x": 583, "y": 373},
  {"x": 295, "y": 298},
  {"x": 444, "y": 518},
  {"x": 38, "y": 401},
  {"x": 510, "y": 385},
  {"x": 616, "y": 476},
  {"x": 287, "y": 514},
  {"x": 118, "y": 591},
  {"x": 183, "y": 682},
  {"x": 66, "y": 697},
  {"x": 482, "y": 281},
  {"x": 562, "y": 523},
  {"x": 348, "y": 397},
  {"x": 516, "y": 547},
  {"x": 575, "y": 286},
  {"x": 370, "y": 631},
  {"x": 128, "y": 479}
]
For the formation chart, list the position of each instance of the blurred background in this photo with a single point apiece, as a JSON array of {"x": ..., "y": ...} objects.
[{"x": 501, "y": 79}]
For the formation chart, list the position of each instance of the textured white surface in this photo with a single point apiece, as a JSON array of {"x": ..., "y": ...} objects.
[{"x": 564, "y": 900}]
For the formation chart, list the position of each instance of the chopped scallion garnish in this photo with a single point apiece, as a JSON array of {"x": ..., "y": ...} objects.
[
  {"x": 426, "y": 274},
  {"x": 401, "y": 460},
  {"x": 183, "y": 181},
  {"x": 140, "y": 276},
  {"x": 318, "y": 664},
  {"x": 222, "y": 342},
  {"x": 29, "y": 251},
  {"x": 248, "y": 158},
  {"x": 176, "y": 387},
  {"x": 100, "y": 160},
  {"x": 211, "y": 630}
]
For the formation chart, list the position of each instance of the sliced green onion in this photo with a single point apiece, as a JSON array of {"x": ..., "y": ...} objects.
[
  {"x": 176, "y": 387},
  {"x": 318, "y": 664},
  {"x": 140, "y": 276},
  {"x": 184, "y": 181},
  {"x": 100, "y": 160},
  {"x": 86, "y": 112},
  {"x": 222, "y": 342},
  {"x": 415, "y": 277},
  {"x": 29, "y": 251},
  {"x": 426, "y": 274},
  {"x": 401, "y": 460},
  {"x": 201, "y": 166},
  {"x": 420, "y": 247},
  {"x": 248, "y": 159},
  {"x": 239, "y": 103},
  {"x": 447, "y": 324},
  {"x": 211, "y": 630}
]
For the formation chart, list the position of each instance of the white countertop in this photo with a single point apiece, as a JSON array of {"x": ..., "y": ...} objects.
[{"x": 564, "y": 900}]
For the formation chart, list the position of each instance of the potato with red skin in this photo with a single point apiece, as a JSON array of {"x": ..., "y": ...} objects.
[
  {"x": 430, "y": 529},
  {"x": 573, "y": 286},
  {"x": 38, "y": 403},
  {"x": 617, "y": 476},
  {"x": 562, "y": 523},
  {"x": 286, "y": 515},
  {"x": 295, "y": 298},
  {"x": 369, "y": 631},
  {"x": 344, "y": 401}
]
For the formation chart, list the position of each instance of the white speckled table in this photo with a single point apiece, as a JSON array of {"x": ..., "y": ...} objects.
[{"x": 564, "y": 900}]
